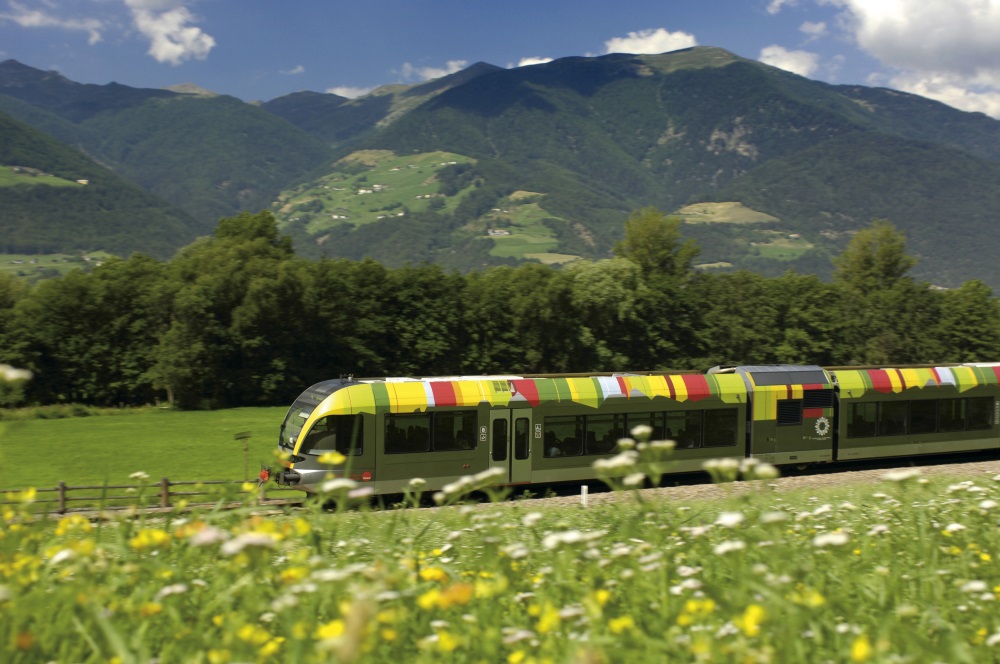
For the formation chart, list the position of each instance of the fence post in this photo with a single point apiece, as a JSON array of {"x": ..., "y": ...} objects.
[
  {"x": 164, "y": 492},
  {"x": 62, "y": 497}
]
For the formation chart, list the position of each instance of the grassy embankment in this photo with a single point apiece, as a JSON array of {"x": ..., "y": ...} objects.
[{"x": 900, "y": 572}]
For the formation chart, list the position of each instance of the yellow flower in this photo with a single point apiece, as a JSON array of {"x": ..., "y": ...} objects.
[
  {"x": 548, "y": 619},
  {"x": 694, "y": 608},
  {"x": 621, "y": 625},
  {"x": 447, "y": 641},
  {"x": 218, "y": 656},
  {"x": 150, "y": 609},
  {"x": 293, "y": 574},
  {"x": 73, "y": 522},
  {"x": 254, "y": 634},
  {"x": 808, "y": 597},
  {"x": 150, "y": 538},
  {"x": 330, "y": 630},
  {"x": 26, "y": 497},
  {"x": 985, "y": 557},
  {"x": 389, "y": 634},
  {"x": 459, "y": 593},
  {"x": 861, "y": 649},
  {"x": 218, "y": 620},
  {"x": 749, "y": 622},
  {"x": 429, "y": 599},
  {"x": 302, "y": 527},
  {"x": 248, "y": 487},
  {"x": 433, "y": 574},
  {"x": 271, "y": 646},
  {"x": 602, "y": 596},
  {"x": 516, "y": 657},
  {"x": 332, "y": 458}
]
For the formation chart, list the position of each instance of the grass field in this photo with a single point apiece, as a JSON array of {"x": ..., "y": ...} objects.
[
  {"x": 903, "y": 571},
  {"x": 178, "y": 445},
  {"x": 28, "y": 264},
  {"x": 9, "y": 177}
]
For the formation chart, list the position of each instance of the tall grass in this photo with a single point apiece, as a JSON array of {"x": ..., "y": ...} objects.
[{"x": 899, "y": 572}]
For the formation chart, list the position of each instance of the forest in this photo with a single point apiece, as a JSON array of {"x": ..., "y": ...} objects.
[{"x": 237, "y": 319}]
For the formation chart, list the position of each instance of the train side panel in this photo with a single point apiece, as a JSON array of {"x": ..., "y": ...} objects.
[{"x": 915, "y": 411}]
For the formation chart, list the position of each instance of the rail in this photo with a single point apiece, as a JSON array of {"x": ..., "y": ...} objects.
[{"x": 154, "y": 495}]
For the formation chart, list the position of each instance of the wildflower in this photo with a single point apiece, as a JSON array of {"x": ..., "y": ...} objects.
[
  {"x": 139, "y": 475},
  {"x": 621, "y": 625},
  {"x": 642, "y": 432},
  {"x": 340, "y": 484},
  {"x": 830, "y": 539},
  {"x": 749, "y": 622},
  {"x": 729, "y": 519},
  {"x": 531, "y": 518},
  {"x": 252, "y": 539},
  {"x": 548, "y": 619},
  {"x": 693, "y": 609},
  {"x": 150, "y": 538},
  {"x": 722, "y": 470},
  {"x": 988, "y": 505},
  {"x": 808, "y": 597},
  {"x": 150, "y": 609},
  {"x": 619, "y": 464},
  {"x": 973, "y": 587},
  {"x": 433, "y": 574},
  {"x": 954, "y": 528},
  {"x": 570, "y": 537},
  {"x": 634, "y": 479},
  {"x": 773, "y": 517},
  {"x": 332, "y": 458},
  {"x": 901, "y": 475},
  {"x": 861, "y": 649},
  {"x": 447, "y": 641},
  {"x": 729, "y": 546},
  {"x": 175, "y": 589},
  {"x": 878, "y": 529},
  {"x": 417, "y": 483},
  {"x": 330, "y": 630},
  {"x": 208, "y": 535}
]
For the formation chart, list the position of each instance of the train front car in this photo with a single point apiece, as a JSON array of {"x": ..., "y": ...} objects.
[
  {"x": 901, "y": 412},
  {"x": 322, "y": 438}
]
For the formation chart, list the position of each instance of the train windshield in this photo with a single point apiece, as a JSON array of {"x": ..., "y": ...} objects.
[{"x": 303, "y": 407}]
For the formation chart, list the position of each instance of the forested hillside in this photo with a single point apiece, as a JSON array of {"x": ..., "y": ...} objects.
[
  {"x": 61, "y": 201},
  {"x": 237, "y": 319}
]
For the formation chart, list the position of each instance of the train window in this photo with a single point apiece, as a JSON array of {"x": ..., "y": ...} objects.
[
  {"x": 862, "y": 419},
  {"x": 980, "y": 413},
  {"x": 563, "y": 436},
  {"x": 892, "y": 417},
  {"x": 407, "y": 433},
  {"x": 652, "y": 420},
  {"x": 951, "y": 415},
  {"x": 721, "y": 426},
  {"x": 455, "y": 431},
  {"x": 335, "y": 433},
  {"x": 500, "y": 440},
  {"x": 789, "y": 412},
  {"x": 923, "y": 416},
  {"x": 603, "y": 432},
  {"x": 522, "y": 443},
  {"x": 685, "y": 428}
]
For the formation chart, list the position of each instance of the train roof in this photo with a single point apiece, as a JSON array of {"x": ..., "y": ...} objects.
[
  {"x": 416, "y": 395},
  {"x": 855, "y": 383},
  {"x": 771, "y": 375}
]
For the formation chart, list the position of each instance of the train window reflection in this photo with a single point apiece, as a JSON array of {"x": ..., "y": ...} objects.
[{"x": 335, "y": 433}]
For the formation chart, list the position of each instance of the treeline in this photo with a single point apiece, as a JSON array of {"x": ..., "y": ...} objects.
[{"x": 237, "y": 319}]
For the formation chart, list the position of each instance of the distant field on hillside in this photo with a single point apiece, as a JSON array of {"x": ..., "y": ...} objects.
[
  {"x": 10, "y": 176},
  {"x": 26, "y": 265},
  {"x": 367, "y": 186},
  {"x": 723, "y": 213}
]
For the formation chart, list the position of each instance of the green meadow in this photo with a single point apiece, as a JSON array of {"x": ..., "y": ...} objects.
[
  {"x": 901, "y": 570},
  {"x": 179, "y": 445}
]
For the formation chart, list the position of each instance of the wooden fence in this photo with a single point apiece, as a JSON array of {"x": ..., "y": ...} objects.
[{"x": 159, "y": 495}]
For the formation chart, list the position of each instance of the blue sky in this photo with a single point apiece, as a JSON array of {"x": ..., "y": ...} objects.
[{"x": 261, "y": 49}]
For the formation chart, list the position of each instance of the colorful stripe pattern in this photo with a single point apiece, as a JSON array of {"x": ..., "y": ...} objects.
[
  {"x": 416, "y": 396},
  {"x": 855, "y": 383}
]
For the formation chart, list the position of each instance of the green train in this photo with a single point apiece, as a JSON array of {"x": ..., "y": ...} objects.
[{"x": 550, "y": 429}]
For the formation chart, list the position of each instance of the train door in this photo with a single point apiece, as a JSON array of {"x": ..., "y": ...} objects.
[{"x": 511, "y": 436}]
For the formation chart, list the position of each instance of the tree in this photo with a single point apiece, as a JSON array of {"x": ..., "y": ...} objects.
[
  {"x": 653, "y": 241},
  {"x": 875, "y": 259},
  {"x": 969, "y": 326}
]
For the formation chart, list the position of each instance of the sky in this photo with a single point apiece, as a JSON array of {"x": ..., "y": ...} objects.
[{"x": 947, "y": 50}]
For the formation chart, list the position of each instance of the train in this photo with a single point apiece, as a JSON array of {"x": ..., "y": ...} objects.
[{"x": 550, "y": 429}]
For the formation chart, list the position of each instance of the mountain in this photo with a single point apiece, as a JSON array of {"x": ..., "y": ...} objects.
[
  {"x": 212, "y": 156},
  {"x": 594, "y": 138},
  {"x": 767, "y": 169},
  {"x": 54, "y": 199}
]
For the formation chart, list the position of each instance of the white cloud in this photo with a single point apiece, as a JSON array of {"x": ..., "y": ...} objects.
[
  {"x": 349, "y": 91},
  {"x": 410, "y": 72},
  {"x": 527, "y": 62},
  {"x": 813, "y": 30},
  {"x": 650, "y": 41},
  {"x": 775, "y": 5},
  {"x": 944, "y": 49},
  {"x": 297, "y": 69},
  {"x": 35, "y": 18},
  {"x": 802, "y": 63},
  {"x": 167, "y": 25}
]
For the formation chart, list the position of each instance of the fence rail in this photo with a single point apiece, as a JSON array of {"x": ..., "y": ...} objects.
[{"x": 160, "y": 494}]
